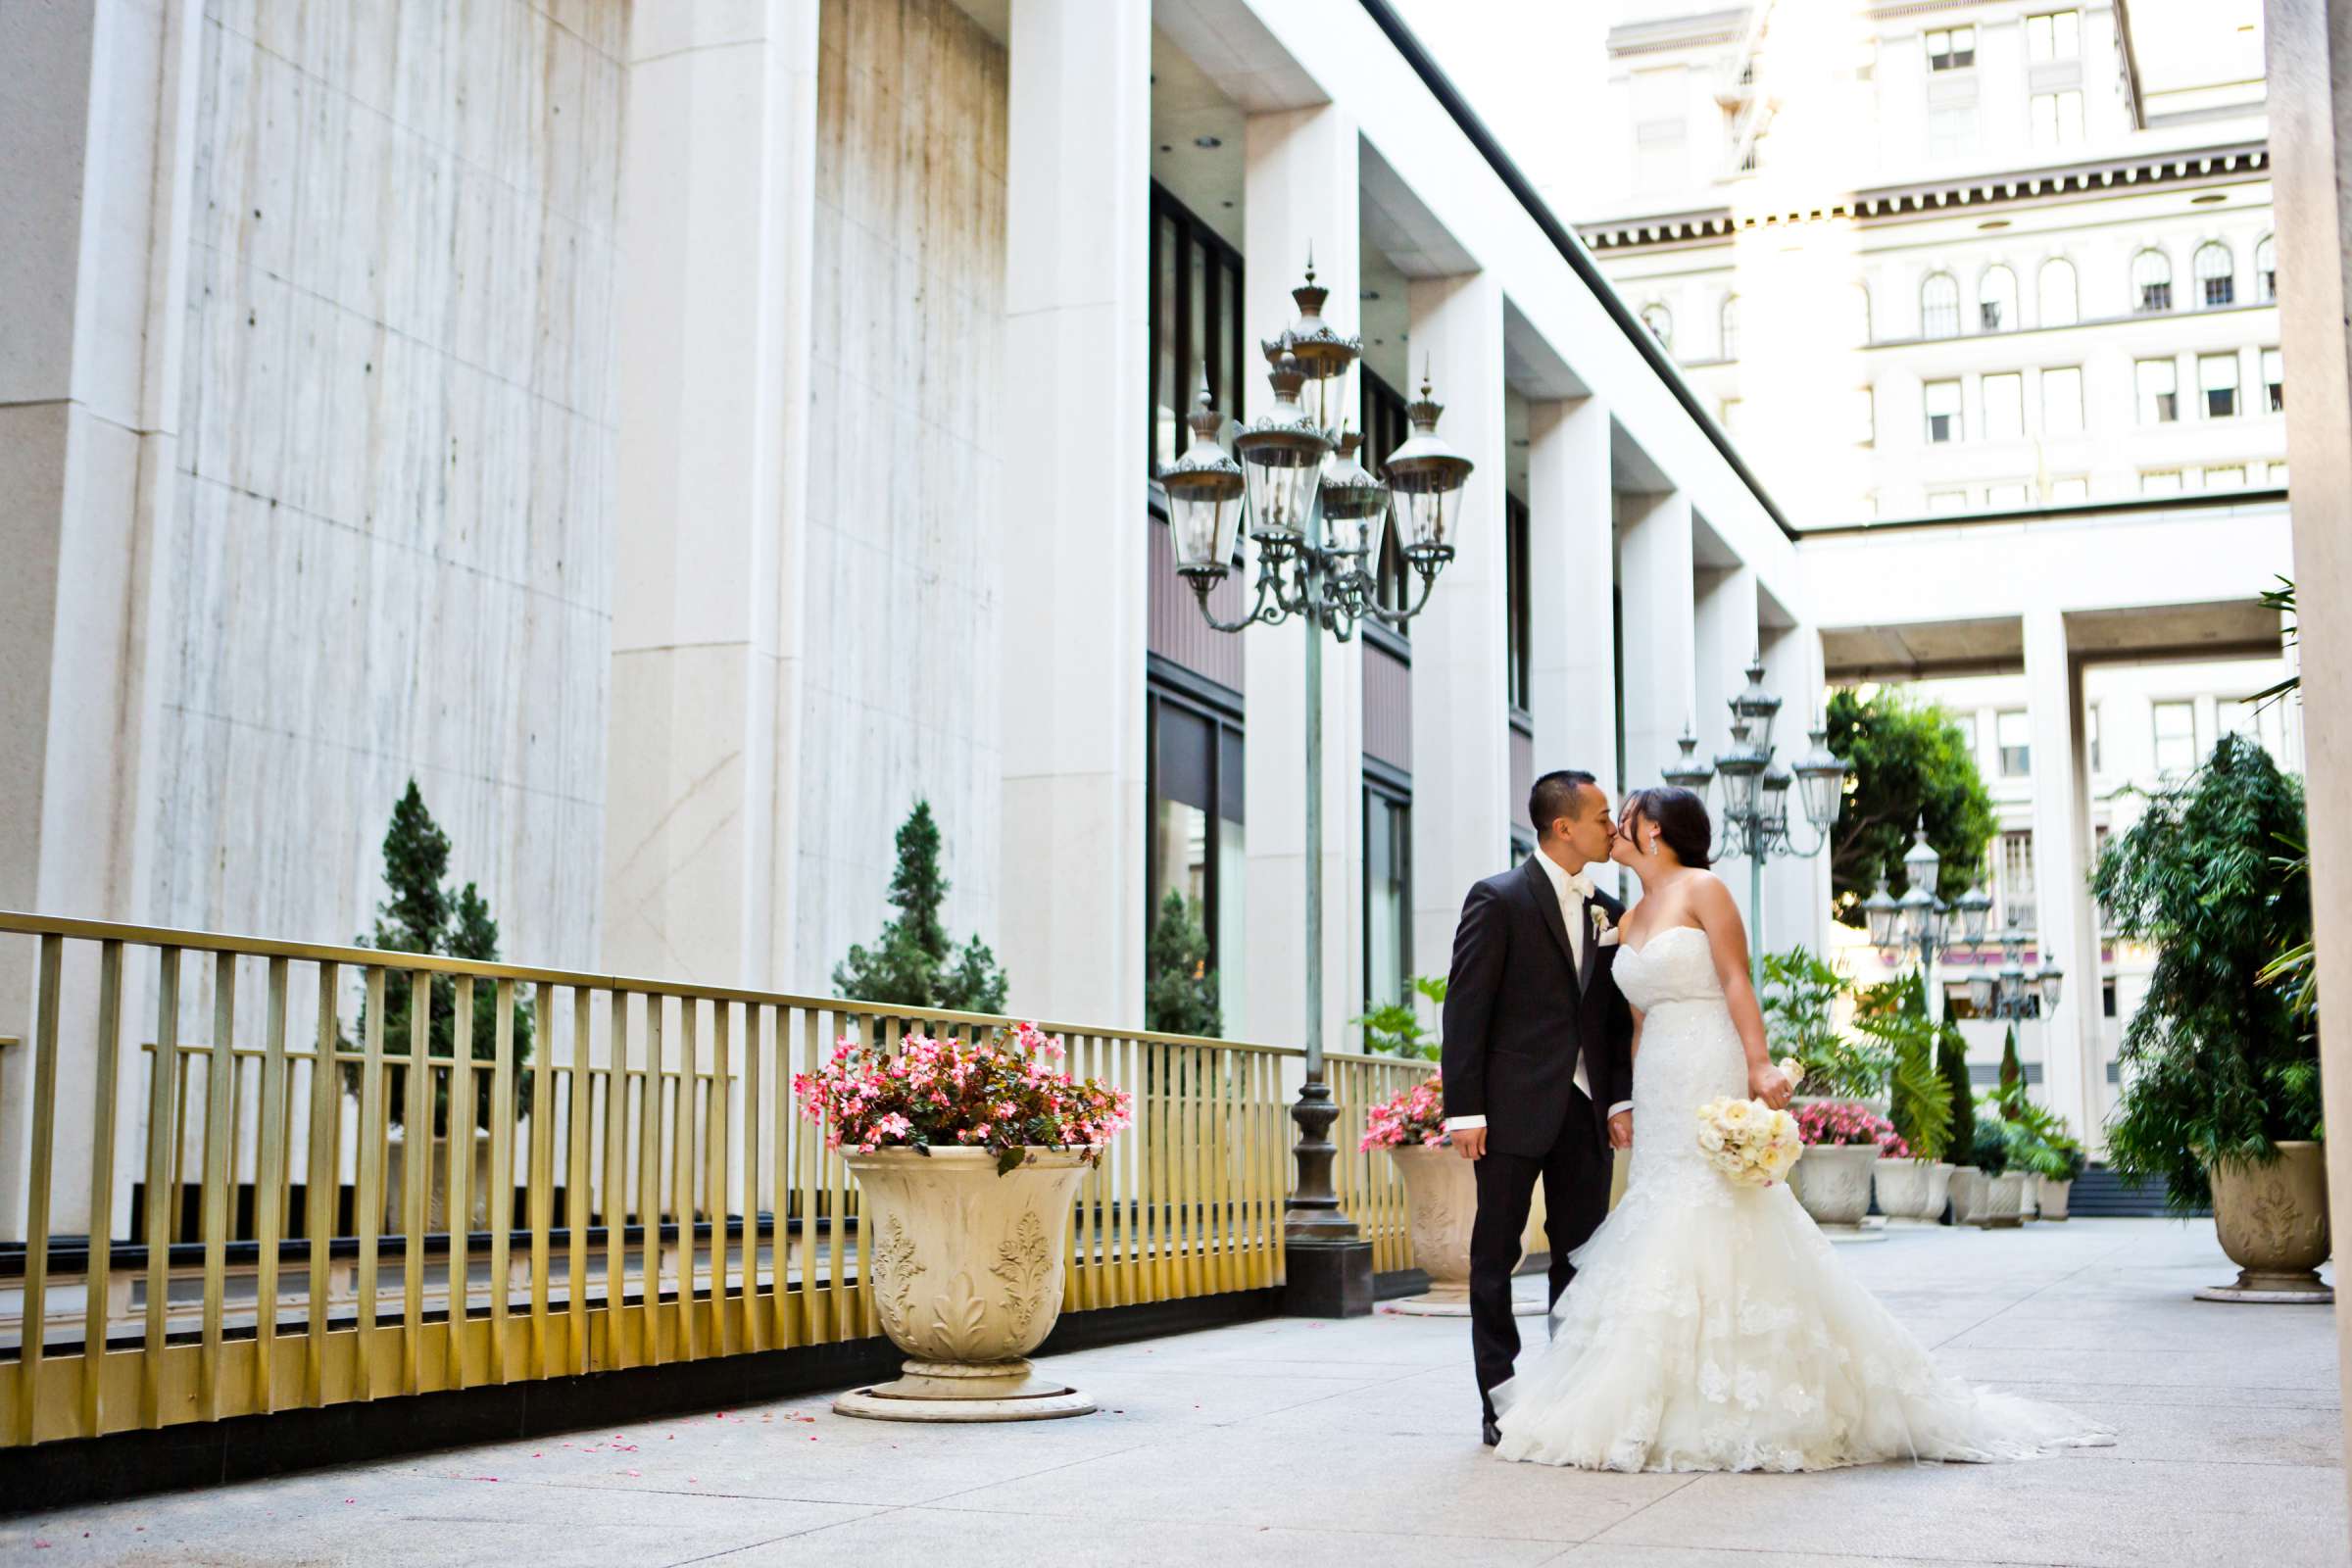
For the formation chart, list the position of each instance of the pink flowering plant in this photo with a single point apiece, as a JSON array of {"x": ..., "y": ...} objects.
[
  {"x": 1414, "y": 1117},
  {"x": 1840, "y": 1123},
  {"x": 1003, "y": 1094}
]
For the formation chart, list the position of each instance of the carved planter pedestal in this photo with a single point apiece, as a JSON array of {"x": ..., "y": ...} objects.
[
  {"x": 1912, "y": 1191},
  {"x": 2273, "y": 1222},
  {"x": 1833, "y": 1182},
  {"x": 1440, "y": 1194},
  {"x": 966, "y": 1268},
  {"x": 2054, "y": 1196}
]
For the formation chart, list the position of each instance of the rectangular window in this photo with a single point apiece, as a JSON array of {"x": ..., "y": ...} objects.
[
  {"x": 2067, "y": 491},
  {"x": 2090, "y": 734},
  {"x": 2274, "y": 380},
  {"x": 2004, "y": 497},
  {"x": 2005, "y": 407},
  {"x": 2277, "y": 476},
  {"x": 2062, "y": 402},
  {"x": 2159, "y": 391},
  {"x": 1866, "y": 417},
  {"x": 2230, "y": 476},
  {"x": 1941, "y": 502},
  {"x": 1966, "y": 724},
  {"x": 1951, "y": 130},
  {"x": 1951, "y": 48},
  {"x": 2056, "y": 117},
  {"x": 1386, "y": 429},
  {"x": 2176, "y": 737},
  {"x": 1194, "y": 311},
  {"x": 2217, "y": 377},
  {"x": 2054, "y": 35},
  {"x": 1388, "y": 893},
  {"x": 2017, "y": 880},
  {"x": 1942, "y": 400},
  {"x": 1196, "y": 849},
  {"x": 2015, "y": 732},
  {"x": 2160, "y": 482},
  {"x": 1519, "y": 641}
]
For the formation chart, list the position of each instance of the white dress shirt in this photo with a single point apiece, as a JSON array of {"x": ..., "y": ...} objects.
[{"x": 1574, "y": 893}]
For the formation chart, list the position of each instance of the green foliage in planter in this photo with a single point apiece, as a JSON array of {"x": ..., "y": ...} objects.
[
  {"x": 2013, "y": 1074},
  {"x": 1800, "y": 997},
  {"x": 1951, "y": 1065},
  {"x": 2216, "y": 1065},
  {"x": 1908, "y": 760},
  {"x": 1990, "y": 1152},
  {"x": 1920, "y": 1105},
  {"x": 1394, "y": 1028},
  {"x": 423, "y": 915},
  {"x": 2040, "y": 1138},
  {"x": 911, "y": 963},
  {"x": 1180, "y": 997}
]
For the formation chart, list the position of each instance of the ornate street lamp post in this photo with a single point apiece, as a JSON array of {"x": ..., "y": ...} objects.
[
  {"x": 1317, "y": 517},
  {"x": 1755, "y": 793},
  {"x": 1920, "y": 921},
  {"x": 2011, "y": 995}
]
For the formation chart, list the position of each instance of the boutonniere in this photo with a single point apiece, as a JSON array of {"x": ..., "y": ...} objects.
[{"x": 1603, "y": 932}]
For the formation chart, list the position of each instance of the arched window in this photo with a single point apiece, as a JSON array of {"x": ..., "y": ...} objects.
[
  {"x": 2265, "y": 268},
  {"x": 2151, "y": 282},
  {"x": 1996, "y": 301},
  {"x": 2217, "y": 274},
  {"x": 1660, "y": 322},
  {"x": 1729, "y": 327},
  {"x": 1861, "y": 317},
  {"x": 1939, "y": 306},
  {"x": 2056, "y": 286}
]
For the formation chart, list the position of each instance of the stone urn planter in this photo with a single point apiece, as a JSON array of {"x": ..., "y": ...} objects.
[
  {"x": 2053, "y": 1196},
  {"x": 1833, "y": 1182},
  {"x": 2005, "y": 1201},
  {"x": 1912, "y": 1191},
  {"x": 2273, "y": 1222},
  {"x": 1966, "y": 1188},
  {"x": 2028, "y": 1198},
  {"x": 1441, "y": 1194},
  {"x": 966, "y": 1267}
]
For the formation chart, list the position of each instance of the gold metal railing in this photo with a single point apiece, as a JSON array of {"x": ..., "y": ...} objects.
[{"x": 661, "y": 1198}]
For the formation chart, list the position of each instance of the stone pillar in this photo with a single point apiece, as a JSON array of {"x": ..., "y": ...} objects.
[
  {"x": 1572, "y": 567},
  {"x": 2065, "y": 929},
  {"x": 718, "y": 197},
  {"x": 97, "y": 135},
  {"x": 2309, "y": 43},
  {"x": 1660, "y": 615},
  {"x": 1462, "y": 702},
  {"x": 1301, "y": 195},
  {"x": 1077, "y": 235},
  {"x": 1796, "y": 888},
  {"x": 1724, "y": 638}
]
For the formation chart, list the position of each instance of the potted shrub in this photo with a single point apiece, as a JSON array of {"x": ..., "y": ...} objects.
[
  {"x": 1831, "y": 1178},
  {"x": 1911, "y": 1179},
  {"x": 2221, "y": 1084},
  {"x": 1799, "y": 1000},
  {"x": 1951, "y": 1065},
  {"x": 1440, "y": 1196},
  {"x": 967, "y": 1156},
  {"x": 1994, "y": 1196}
]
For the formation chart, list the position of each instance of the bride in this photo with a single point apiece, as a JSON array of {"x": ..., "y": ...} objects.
[{"x": 1710, "y": 1326}]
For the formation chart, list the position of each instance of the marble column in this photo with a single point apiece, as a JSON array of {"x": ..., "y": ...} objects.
[
  {"x": 2066, "y": 930},
  {"x": 1461, "y": 737},
  {"x": 1796, "y": 888},
  {"x": 1076, "y": 218},
  {"x": 1572, "y": 564},
  {"x": 1660, "y": 614},
  {"x": 97, "y": 134},
  {"x": 1724, "y": 638},
  {"x": 1301, "y": 196},
  {"x": 718, "y": 191},
  {"x": 2309, "y": 44}
]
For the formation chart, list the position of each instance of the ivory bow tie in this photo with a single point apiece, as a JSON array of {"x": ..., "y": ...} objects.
[{"x": 1582, "y": 886}]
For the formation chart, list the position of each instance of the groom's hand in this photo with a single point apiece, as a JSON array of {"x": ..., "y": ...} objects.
[
  {"x": 1620, "y": 1130},
  {"x": 1470, "y": 1142}
]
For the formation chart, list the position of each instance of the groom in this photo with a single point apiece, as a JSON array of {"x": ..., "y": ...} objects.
[{"x": 1538, "y": 1060}]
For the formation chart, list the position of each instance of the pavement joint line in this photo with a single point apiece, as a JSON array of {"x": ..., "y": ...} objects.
[
  {"x": 1255, "y": 1524},
  {"x": 2052, "y": 1282},
  {"x": 1816, "y": 1553},
  {"x": 1671, "y": 1491},
  {"x": 789, "y": 1534}
]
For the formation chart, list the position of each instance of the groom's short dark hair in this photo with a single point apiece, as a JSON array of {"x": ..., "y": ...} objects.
[{"x": 1554, "y": 797}]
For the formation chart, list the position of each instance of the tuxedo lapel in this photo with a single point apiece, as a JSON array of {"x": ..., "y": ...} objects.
[
  {"x": 1584, "y": 973},
  {"x": 1548, "y": 904}
]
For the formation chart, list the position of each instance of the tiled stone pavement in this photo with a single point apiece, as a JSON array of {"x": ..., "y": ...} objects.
[{"x": 1306, "y": 1442}]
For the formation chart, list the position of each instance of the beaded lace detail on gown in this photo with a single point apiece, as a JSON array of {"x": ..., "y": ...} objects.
[{"x": 1712, "y": 1327}]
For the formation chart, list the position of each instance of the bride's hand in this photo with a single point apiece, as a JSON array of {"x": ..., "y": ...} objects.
[{"x": 1766, "y": 1082}]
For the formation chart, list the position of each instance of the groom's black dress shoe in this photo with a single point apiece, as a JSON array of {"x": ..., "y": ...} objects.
[{"x": 1488, "y": 1431}]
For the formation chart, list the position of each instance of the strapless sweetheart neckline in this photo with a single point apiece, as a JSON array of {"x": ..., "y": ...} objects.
[{"x": 1657, "y": 937}]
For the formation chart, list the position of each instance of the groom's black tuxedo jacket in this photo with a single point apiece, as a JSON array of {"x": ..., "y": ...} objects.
[{"x": 1518, "y": 1015}]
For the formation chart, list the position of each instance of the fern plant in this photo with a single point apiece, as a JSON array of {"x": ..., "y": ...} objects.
[
  {"x": 1920, "y": 1100},
  {"x": 1799, "y": 1000}
]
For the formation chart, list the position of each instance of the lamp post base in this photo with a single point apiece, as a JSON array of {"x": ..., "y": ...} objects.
[{"x": 1327, "y": 1279}]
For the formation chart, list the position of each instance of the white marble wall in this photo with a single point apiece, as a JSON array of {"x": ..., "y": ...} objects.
[
  {"x": 391, "y": 554},
  {"x": 903, "y": 560}
]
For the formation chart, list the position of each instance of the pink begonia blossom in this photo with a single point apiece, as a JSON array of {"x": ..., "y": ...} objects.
[
  {"x": 996, "y": 1092},
  {"x": 1414, "y": 1115}
]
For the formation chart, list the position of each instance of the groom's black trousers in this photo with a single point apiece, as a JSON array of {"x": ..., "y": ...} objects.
[{"x": 1576, "y": 1198}]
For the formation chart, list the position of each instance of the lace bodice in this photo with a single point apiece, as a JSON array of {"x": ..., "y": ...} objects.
[
  {"x": 1670, "y": 967},
  {"x": 1688, "y": 1055}
]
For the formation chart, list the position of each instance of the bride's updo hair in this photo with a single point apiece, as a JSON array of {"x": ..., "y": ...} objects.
[{"x": 1680, "y": 818}]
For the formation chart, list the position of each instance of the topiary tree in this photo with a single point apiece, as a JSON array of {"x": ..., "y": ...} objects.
[
  {"x": 2216, "y": 1063},
  {"x": 1908, "y": 760},
  {"x": 422, "y": 915},
  {"x": 911, "y": 963},
  {"x": 1179, "y": 994},
  {"x": 1951, "y": 1065},
  {"x": 2013, "y": 1076}
]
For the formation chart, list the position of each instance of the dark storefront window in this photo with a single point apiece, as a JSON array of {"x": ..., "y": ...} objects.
[
  {"x": 1519, "y": 644},
  {"x": 1197, "y": 846},
  {"x": 1384, "y": 430},
  {"x": 1196, "y": 313},
  {"x": 1387, "y": 891}
]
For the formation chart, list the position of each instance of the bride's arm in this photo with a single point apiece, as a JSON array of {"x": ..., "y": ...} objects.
[{"x": 1727, "y": 941}]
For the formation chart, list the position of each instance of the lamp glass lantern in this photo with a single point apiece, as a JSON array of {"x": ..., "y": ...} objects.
[
  {"x": 1740, "y": 768},
  {"x": 1282, "y": 454},
  {"x": 1204, "y": 489},
  {"x": 1426, "y": 477},
  {"x": 1821, "y": 781},
  {"x": 2011, "y": 983},
  {"x": 1882, "y": 912},
  {"x": 1355, "y": 505},
  {"x": 1776, "y": 782},
  {"x": 2052, "y": 981},
  {"x": 1980, "y": 995},
  {"x": 1687, "y": 770},
  {"x": 1921, "y": 866},
  {"x": 1974, "y": 907},
  {"x": 1756, "y": 707}
]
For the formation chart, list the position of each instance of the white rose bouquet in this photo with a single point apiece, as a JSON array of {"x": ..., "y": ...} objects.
[{"x": 1747, "y": 1140}]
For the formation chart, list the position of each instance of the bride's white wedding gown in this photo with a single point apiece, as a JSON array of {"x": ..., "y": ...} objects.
[{"x": 1710, "y": 1326}]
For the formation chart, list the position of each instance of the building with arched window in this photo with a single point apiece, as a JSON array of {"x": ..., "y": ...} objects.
[{"x": 1996, "y": 300}]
